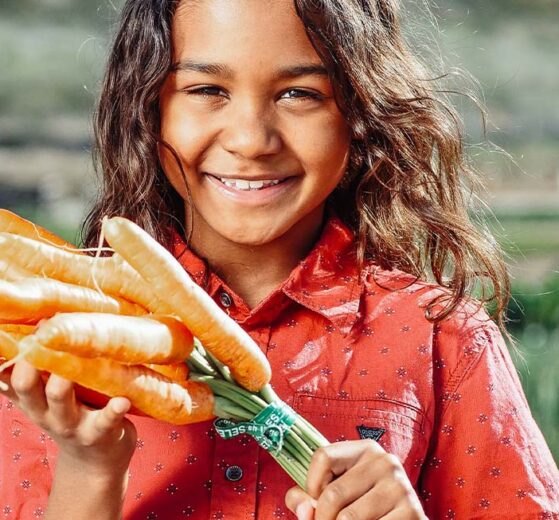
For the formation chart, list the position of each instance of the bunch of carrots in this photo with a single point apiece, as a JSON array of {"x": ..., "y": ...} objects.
[{"x": 134, "y": 324}]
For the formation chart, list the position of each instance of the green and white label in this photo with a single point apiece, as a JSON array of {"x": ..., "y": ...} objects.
[{"x": 268, "y": 428}]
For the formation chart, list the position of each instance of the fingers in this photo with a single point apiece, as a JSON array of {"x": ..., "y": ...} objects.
[
  {"x": 5, "y": 383},
  {"x": 29, "y": 390},
  {"x": 333, "y": 460},
  {"x": 376, "y": 503},
  {"x": 405, "y": 514},
  {"x": 109, "y": 417},
  {"x": 62, "y": 406},
  {"x": 106, "y": 422},
  {"x": 298, "y": 502},
  {"x": 347, "y": 489},
  {"x": 54, "y": 407}
]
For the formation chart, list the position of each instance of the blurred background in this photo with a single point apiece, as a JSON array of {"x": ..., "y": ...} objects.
[{"x": 51, "y": 60}]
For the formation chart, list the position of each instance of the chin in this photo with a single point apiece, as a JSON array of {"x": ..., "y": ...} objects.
[{"x": 252, "y": 237}]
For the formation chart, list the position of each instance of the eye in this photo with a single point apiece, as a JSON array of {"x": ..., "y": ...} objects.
[
  {"x": 205, "y": 92},
  {"x": 302, "y": 94}
]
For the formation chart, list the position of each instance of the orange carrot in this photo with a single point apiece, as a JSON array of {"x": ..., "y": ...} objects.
[
  {"x": 127, "y": 339},
  {"x": 151, "y": 393},
  {"x": 110, "y": 274},
  {"x": 17, "y": 330},
  {"x": 9, "y": 350},
  {"x": 174, "y": 371},
  {"x": 32, "y": 299},
  {"x": 177, "y": 294},
  {"x": 8, "y": 345},
  {"x": 12, "y": 223}
]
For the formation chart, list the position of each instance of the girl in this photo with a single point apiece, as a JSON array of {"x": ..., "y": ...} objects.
[{"x": 294, "y": 158}]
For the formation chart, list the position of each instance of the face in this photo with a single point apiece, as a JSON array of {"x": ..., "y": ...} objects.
[{"x": 250, "y": 112}]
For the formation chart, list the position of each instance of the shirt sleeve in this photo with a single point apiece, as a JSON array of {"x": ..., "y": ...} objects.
[{"x": 487, "y": 457}]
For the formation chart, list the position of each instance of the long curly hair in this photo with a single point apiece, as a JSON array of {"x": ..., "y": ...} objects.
[{"x": 408, "y": 189}]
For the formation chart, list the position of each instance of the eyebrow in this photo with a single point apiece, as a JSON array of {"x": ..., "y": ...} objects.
[{"x": 220, "y": 69}]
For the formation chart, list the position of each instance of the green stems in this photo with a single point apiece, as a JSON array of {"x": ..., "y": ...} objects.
[{"x": 235, "y": 403}]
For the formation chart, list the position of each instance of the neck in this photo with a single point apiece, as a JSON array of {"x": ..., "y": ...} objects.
[{"x": 254, "y": 271}]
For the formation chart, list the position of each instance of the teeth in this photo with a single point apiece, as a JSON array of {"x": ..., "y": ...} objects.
[{"x": 243, "y": 184}]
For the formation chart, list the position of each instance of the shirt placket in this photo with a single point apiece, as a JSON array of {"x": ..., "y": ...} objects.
[
  {"x": 234, "y": 478},
  {"x": 235, "y": 463}
]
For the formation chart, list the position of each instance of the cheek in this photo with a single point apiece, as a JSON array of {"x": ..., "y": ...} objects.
[
  {"x": 324, "y": 145},
  {"x": 186, "y": 139}
]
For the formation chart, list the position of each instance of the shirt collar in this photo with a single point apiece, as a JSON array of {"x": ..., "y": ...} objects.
[{"x": 327, "y": 281}]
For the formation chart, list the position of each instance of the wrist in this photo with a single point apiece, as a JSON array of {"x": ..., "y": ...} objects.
[
  {"x": 101, "y": 491},
  {"x": 106, "y": 475}
]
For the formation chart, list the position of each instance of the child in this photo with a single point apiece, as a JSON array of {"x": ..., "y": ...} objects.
[{"x": 293, "y": 157}]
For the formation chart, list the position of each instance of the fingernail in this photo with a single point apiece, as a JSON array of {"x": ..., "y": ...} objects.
[
  {"x": 120, "y": 406},
  {"x": 304, "y": 510}
]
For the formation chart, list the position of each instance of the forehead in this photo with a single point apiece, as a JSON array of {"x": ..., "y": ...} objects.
[{"x": 255, "y": 33}]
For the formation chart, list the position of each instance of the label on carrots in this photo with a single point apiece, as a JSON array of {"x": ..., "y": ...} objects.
[{"x": 268, "y": 427}]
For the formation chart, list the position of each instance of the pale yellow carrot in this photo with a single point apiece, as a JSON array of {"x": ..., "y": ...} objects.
[
  {"x": 110, "y": 274},
  {"x": 127, "y": 339},
  {"x": 11, "y": 272},
  {"x": 178, "y": 294},
  {"x": 32, "y": 299},
  {"x": 173, "y": 371}
]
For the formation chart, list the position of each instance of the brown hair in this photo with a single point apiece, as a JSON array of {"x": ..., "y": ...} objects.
[{"x": 406, "y": 193}]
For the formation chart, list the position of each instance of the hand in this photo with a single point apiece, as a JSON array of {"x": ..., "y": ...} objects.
[
  {"x": 99, "y": 441},
  {"x": 355, "y": 480}
]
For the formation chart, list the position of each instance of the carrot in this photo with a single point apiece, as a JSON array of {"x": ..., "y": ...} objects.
[
  {"x": 11, "y": 272},
  {"x": 8, "y": 344},
  {"x": 110, "y": 274},
  {"x": 177, "y": 294},
  {"x": 148, "y": 391},
  {"x": 95, "y": 399},
  {"x": 12, "y": 223},
  {"x": 127, "y": 339},
  {"x": 17, "y": 331},
  {"x": 32, "y": 299},
  {"x": 174, "y": 371}
]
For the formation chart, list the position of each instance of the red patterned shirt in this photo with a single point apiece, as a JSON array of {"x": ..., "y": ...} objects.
[{"x": 352, "y": 351}]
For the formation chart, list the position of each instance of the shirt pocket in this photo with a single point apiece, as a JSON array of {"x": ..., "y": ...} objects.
[{"x": 400, "y": 427}]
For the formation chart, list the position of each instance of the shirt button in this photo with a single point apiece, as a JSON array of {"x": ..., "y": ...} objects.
[
  {"x": 226, "y": 300},
  {"x": 233, "y": 473}
]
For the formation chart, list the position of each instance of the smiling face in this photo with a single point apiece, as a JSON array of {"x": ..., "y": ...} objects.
[{"x": 249, "y": 110}]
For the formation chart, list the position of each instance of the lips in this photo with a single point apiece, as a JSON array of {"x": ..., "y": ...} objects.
[
  {"x": 248, "y": 184},
  {"x": 240, "y": 191}
]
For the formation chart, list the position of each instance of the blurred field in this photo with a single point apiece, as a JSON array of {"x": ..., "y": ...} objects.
[{"x": 52, "y": 54}]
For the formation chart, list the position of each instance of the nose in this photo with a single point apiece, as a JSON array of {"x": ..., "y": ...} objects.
[{"x": 250, "y": 131}]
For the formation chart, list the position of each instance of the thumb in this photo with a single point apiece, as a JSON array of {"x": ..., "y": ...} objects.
[{"x": 298, "y": 502}]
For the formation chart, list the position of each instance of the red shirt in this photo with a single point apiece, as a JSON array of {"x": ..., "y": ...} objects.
[{"x": 353, "y": 353}]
